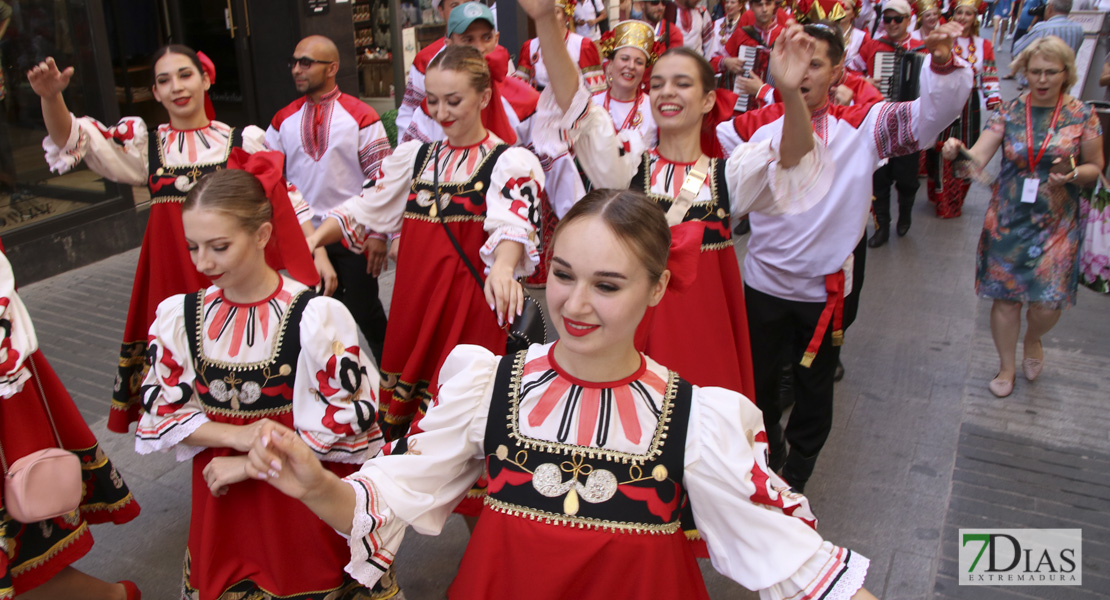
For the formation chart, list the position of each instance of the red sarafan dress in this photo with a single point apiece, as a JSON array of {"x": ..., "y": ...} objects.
[
  {"x": 35, "y": 552},
  {"x": 702, "y": 330},
  {"x": 488, "y": 193},
  {"x": 592, "y": 485},
  {"x": 294, "y": 358},
  {"x": 169, "y": 163}
]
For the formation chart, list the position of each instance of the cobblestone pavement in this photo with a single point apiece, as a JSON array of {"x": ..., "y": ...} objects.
[{"x": 919, "y": 448}]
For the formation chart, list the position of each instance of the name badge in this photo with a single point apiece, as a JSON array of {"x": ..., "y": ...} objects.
[{"x": 1029, "y": 191}]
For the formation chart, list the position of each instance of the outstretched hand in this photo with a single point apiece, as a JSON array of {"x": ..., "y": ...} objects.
[
  {"x": 790, "y": 57},
  {"x": 46, "y": 80},
  {"x": 941, "y": 39},
  {"x": 279, "y": 457}
]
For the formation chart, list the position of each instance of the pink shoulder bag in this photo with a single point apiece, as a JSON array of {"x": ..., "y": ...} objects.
[{"x": 44, "y": 484}]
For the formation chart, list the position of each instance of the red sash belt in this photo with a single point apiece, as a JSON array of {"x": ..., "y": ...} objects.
[{"x": 834, "y": 311}]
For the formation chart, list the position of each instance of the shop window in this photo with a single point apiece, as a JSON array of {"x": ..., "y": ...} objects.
[{"x": 30, "y": 31}]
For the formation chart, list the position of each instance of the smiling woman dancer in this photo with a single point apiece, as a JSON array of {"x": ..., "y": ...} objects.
[
  {"x": 784, "y": 176},
  {"x": 169, "y": 161},
  {"x": 591, "y": 447},
  {"x": 254, "y": 347},
  {"x": 487, "y": 197}
]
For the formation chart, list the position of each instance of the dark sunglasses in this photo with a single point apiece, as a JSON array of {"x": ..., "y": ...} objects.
[
  {"x": 889, "y": 20},
  {"x": 306, "y": 62}
]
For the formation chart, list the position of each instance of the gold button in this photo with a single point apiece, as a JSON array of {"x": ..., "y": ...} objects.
[
  {"x": 721, "y": 213},
  {"x": 659, "y": 473},
  {"x": 160, "y": 171},
  {"x": 337, "y": 348},
  {"x": 285, "y": 370},
  {"x": 479, "y": 185},
  {"x": 502, "y": 452}
]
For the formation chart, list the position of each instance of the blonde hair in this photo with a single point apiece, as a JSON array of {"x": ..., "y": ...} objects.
[
  {"x": 234, "y": 192},
  {"x": 464, "y": 59},
  {"x": 1051, "y": 48}
]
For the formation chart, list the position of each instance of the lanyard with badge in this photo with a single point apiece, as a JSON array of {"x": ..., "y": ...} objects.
[{"x": 1029, "y": 188}]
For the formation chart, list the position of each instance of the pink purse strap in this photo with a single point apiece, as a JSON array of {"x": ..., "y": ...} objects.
[{"x": 45, "y": 405}]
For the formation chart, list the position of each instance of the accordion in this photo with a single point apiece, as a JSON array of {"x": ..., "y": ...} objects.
[
  {"x": 755, "y": 59},
  {"x": 898, "y": 74}
]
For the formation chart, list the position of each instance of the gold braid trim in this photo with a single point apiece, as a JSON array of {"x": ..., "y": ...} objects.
[
  {"x": 653, "y": 451},
  {"x": 580, "y": 522},
  {"x": 53, "y": 551},
  {"x": 279, "y": 338}
]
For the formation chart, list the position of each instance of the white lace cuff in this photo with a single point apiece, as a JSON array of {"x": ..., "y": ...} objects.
[
  {"x": 528, "y": 260},
  {"x": 832, "y": 573},
  {"x": 371, "y": 552},
  {"x": 177, "y": 429},
  {"x": 61, "y": 160},
  {"x": 13, "y": 384},
  {"x": 353, "y": 450}
]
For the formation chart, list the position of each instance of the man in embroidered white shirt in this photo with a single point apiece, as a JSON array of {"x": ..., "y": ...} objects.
[{"x": 332, "y": 143}]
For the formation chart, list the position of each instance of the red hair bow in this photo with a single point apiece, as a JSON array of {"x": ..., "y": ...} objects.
[
  {"x": 287, "y": 248},
  {"x": 209, "y": 69}
]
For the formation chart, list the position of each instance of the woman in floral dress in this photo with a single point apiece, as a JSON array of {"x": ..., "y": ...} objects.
[{"x": 1030, "y": 242}]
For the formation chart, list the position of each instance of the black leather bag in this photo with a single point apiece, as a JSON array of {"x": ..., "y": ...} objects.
[{"x": 528, "y": 328}]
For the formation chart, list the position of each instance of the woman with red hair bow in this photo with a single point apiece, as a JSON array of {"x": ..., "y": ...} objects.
[
  {"x": 169, "y": 161},
  {"x": 702, "y": 331},
  {"x": 254, "y": 347}
]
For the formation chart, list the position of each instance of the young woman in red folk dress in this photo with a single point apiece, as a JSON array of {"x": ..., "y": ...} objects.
[
  {"x": 36, "y": 412},
  {"x": 701, "y": 331},
  {"x": 255, "y": 347},
  {"x": 169, "y": 161},
  {"x": 488, "y": 197},
  {"x": 592, "y": 448}
]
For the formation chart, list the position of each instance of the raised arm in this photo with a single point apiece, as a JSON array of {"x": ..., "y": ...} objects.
[
  {"x": 789, "y": 63},
  {"x": 49, "y": 83},
  {"x": 560, "y": 68}
]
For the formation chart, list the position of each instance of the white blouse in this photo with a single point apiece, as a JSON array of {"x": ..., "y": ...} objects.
[
  {"x": 515, "y": 185},
  {"x": 121, "y": 153},
  {"x": 759, "y": 533},
  {"x": 17, "y": 335},
  {"x": 611, "y": 159},
  {"x": 333, "y": 409}
]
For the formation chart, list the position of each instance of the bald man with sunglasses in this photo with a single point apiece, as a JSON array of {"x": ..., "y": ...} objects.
[{"x": 332, "y": 143}]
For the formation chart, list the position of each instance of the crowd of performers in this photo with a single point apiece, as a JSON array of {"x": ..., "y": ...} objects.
[{"x": 615, "y": 175}]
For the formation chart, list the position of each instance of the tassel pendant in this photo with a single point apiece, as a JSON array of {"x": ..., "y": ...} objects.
[{"x": 570, "y": 503}]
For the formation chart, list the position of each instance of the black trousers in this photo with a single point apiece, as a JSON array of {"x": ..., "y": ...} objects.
[
  {"x": 358, "y": 291},
  {"x": 780, "y": 330},
  {"x": 901, "y": 171}
]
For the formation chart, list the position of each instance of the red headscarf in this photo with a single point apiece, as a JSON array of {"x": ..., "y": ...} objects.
[
  {"x": 209, "y": 69},
  {"x": 287, "y": 248}
]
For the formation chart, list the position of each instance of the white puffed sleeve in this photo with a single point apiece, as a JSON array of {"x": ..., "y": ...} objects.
[
  {"x": 256, "y": 140},
  {"x": 513, "y": 207},
  {"x": 758, "y": 183},
  {"x": 335, "y": 395},
  {"x": 609, "y": 158},
  {"x": 17, "y": 335},
  {"x": 424, "y": 478},
  {"x": 759, "y": 532},
  {"x": 171, "y": 410},
  {"x": 380, "y": 208},
  {"x": 118, "y": 153}
]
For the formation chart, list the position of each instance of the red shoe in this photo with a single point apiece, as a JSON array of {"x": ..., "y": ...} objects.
[{"x": 132, "y": 590}]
